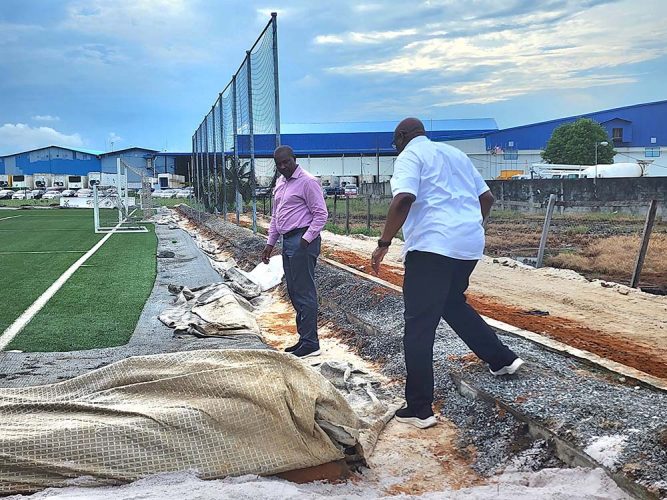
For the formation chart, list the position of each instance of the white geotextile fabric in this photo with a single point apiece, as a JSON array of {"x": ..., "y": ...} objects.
[
  {"x": 218, "y": 413},
  {"x": 211, "y": 311}
]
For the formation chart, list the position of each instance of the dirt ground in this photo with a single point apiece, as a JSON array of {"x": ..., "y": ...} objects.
[
  {"x": 608, "y": 319},
  {"x": 613, "y": 321},
  {"x": 598, "y": 245},
  {"x": 406, "y": 460}
]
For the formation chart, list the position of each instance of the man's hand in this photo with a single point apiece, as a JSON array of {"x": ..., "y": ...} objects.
[
  {"x": 304, "y": 243},
  {"x": 377, "y": 257},
  {"x": 266, "y": 253}
]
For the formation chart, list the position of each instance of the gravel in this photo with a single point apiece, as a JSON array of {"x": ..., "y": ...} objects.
[{"x": 587, "y": 407}]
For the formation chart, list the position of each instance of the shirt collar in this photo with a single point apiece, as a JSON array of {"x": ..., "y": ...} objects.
[
  {"x": 417, "y": 140},
  {"x": 297, "y": 173}
]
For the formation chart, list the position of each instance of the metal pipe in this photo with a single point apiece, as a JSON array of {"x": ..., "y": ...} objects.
[{"x": 251, "y": 130}]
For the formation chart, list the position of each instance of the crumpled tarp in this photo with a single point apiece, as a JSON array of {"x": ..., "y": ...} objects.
[
  {"x": 211, "y": 311},
  {"x": 219, "y": 413}
]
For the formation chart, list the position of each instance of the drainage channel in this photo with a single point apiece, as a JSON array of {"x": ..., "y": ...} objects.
[{"x": 583, "y": 414}]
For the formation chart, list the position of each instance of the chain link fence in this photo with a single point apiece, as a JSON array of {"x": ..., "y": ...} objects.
[{"x": 232, "y": 149}]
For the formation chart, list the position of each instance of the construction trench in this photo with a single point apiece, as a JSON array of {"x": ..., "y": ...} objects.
[{"x": 558, "y": 412}]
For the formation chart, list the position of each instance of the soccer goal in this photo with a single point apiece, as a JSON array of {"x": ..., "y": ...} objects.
[{"x": 115, "y": 209}]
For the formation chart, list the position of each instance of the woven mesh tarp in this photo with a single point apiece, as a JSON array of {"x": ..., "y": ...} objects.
[{"x": 218, "y": 413}]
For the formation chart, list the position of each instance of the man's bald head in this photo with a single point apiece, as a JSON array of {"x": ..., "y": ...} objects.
[{"x": 407, "y": 130}]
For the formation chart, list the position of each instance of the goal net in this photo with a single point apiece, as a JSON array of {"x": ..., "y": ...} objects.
[{"x": 115, "y": 205}]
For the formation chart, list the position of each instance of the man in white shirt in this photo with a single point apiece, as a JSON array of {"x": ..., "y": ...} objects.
[{"x": 441, "y": 201}]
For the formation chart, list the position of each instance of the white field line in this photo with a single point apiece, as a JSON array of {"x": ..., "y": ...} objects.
[
  {"x": 12, "y": 217},
  {"x": 20, "y": 322},
  {"x": 45, "y": 251}
]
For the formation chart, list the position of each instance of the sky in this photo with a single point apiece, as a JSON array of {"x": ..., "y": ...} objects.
[{"x": 89, "y": 73}]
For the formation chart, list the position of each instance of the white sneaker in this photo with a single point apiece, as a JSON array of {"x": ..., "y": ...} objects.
[
  {"x": 420, "y": 423},
  {"x": 406, "y": 417},
  {"x": 509, "y": 369}
]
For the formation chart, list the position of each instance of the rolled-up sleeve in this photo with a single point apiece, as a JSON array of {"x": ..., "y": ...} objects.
[
  {"x": 318, "y": 208},
  {"x": 407, "y": 172}
]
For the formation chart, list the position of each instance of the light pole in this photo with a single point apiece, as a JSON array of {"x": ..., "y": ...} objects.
[{"x": 603, "y": 143}]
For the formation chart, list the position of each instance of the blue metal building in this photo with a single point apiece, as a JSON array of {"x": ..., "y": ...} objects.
[
  {"x": 640, "y": 125},
  {"x": 51, "y": 160}
]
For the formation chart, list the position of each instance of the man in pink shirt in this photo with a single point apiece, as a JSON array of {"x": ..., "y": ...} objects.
[{"x": 299, "y": 214}]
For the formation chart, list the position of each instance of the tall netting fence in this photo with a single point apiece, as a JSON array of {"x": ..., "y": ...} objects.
[{"x": 232, "y": 149}]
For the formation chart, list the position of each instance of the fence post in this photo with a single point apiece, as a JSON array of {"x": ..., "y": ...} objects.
[
  {"x": 347, "y": 215},
  {"x": 368, "y": 214},
  {"x": 545, "y": 230},
  {"x": 648, "y": 228},
  {"x": 334, "y": 208}
]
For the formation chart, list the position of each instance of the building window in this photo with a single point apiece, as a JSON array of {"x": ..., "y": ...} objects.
[
  {"x": 617, "y": 134},
  {"x": 652, "y": 152},
  {"x": 511, "y": 155}
]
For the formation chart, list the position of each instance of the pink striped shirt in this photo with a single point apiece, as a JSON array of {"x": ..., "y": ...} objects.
[{"x": 297, "y": 202}]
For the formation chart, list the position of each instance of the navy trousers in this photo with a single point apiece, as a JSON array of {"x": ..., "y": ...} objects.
[
  {"x": 433, "y": 288},
  {"x": 299, "y": 265}
]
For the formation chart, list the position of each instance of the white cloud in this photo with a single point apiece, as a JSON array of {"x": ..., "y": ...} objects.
[
  {"x": 354, "y": 37},
  {"x": 165, "y": 29},
  {"x": 328, "y": 39},
  {"x": 113, "y": 137},
  {"x": 16, "y": 137},
  {"x": 581, "y": 50},
  {"x": 46, "y": 118},
  {"x": 307, "y": 81}
]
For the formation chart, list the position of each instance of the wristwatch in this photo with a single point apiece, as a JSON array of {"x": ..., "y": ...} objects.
[{"x": 383, "y": 244}]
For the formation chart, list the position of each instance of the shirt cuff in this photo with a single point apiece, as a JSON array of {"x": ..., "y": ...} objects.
[
  {"x": 273, "y": 239},
  {"x": 309, "y": 236}
]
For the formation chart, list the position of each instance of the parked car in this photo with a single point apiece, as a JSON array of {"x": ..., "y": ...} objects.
[
  {"x": 183, "y": 193},
  {"x": 6, "y": 194},
  {"x": 165, "y": 193},
  {"x": 331, "y": 191},
  {"x": 84, "y": 193},
  {"x": 52, "y": 193},
  {"x": 38, "y": 193},
  {"x": 68, "y": 193},
  {"x": 351, "y": 191},
  {"x": 23, "y": 194}
]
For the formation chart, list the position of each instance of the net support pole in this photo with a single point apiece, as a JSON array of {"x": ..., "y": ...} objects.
[
  {"x": 222, "y": 159},
  {"x": 215, "y": 161},
  {"x": 236, "y": 152},
  {"x": 276, "y": 91},
  {"x": 253, "y": 182},
  {"x": 207, "y": 175}
]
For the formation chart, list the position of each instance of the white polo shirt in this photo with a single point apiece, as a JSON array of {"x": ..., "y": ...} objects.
[{"x": 446, "y": 217}]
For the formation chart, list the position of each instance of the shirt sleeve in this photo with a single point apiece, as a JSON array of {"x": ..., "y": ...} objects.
[
  {"x": 318, "y": 208},
  {"x": 407, "y": 173},
  {"x": 273, "y": 230},
  {"x": 480, "y": 186}
]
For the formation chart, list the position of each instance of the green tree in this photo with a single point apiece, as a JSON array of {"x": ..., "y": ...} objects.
[{"x": 574, "y": 144}]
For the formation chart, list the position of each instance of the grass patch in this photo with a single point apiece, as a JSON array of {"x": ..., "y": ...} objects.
[
  {"x": 27, "y": 275},
  {"x": 98, "y": 306},
  {"x": 615, "y": 256}
]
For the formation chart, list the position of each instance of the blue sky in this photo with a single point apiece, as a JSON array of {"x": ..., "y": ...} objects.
[{"x": 84, "y": 73}]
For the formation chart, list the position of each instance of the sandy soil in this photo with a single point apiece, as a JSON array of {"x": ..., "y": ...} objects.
[
  {"x": 614, "y": 321},
  {"x": 405, "y": 460}
]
